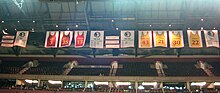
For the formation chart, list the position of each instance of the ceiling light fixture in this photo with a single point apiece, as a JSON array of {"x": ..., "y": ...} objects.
[
  {"x": 3, "y": 21},
  {"x": 198, "y": 83},
  {"x": 202, "y": 19},
  {"x": 170, "y": 25},
  {"x": 201, "y": 28},
  {"x": 77, "y": 25},
  {"x": 33, "y": 21},
  {"x": 31, "y": 81},
  {"x": 123, "y": 83},
  {"x": 32, "y": 29},
  {"x": 18, "y": 21},
  {"x": 54, "y": 82},
  {"x": 116, "y": 28},
  {"x": 217, "y": 83},
  {"x": 57, "y": 25},
  {"x": 149, "y": 83},
  {"x": 100, "y": 83}
]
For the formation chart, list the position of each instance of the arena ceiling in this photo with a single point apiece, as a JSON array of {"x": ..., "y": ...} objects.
[{"x": 39, "y": 16}]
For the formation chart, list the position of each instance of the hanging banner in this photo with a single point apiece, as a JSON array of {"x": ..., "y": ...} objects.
[
  {"x": 211, "y": 38},
  {"x": 97, "y": 39},
  {"x": 80, "y": 38},
  {"x": 112, "y": 42},
  {"x": 51, "y": 40},
  {"x": 7, "y": 41},
  {"x": 145, "y": 39},
  {"x": 127, "y": 38},
  {"x": 194, "y": 38},
  {"x": 160, "y": 38},
  {"x": 176, "y": 39},
  {"x": 21, "y": 38},
  {"x": 66, "y": 38}
]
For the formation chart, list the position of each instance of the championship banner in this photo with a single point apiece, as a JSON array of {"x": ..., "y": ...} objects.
[
  {"x": 66, "y": 38},
  {"x": 176, "y": 39},
  {"x": 145, "y": 39},
  {"x": 21, "y": 38},
  {"x": 51, "y": 40},
  {"x": 7, "y": 41},
  {"x": 194, "y": 38},
  {"x": 80, "y": 38},
  {"x": 211, "y": 38},
  {"x": 127, "y": 38},
  {"x": 97, "y": 39},
  {"x": 112, "y": 42},
  {"x": 160, "y": 38}
]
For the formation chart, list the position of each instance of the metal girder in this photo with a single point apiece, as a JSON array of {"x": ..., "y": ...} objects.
[{"x": 110, "y": 78}]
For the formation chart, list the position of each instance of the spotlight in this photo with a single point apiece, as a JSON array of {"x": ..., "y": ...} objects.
[
  {"x": 18, "y": 21},
  {"x": 3, "y": 21},
  {"x": 33, "y": 21},
  {"x": 15, "y": 29},
  {"x": 113, "y": 20},
  {"x": 214, "y": 28},
  {"x": 116, "y": 28},
  {"x": 150, "y": 25},
  {"x": 57, "y": 25},
  {"x": 170, "y": 25},
  {"x": 68, "y": 28},
  {"x": 6, "y": 29},
  {"x": 77, "y": 25},
  {"x": 201, "y": 28},
  {"x": 202, "y": 19},
  {"x": 189, "y": 28}
]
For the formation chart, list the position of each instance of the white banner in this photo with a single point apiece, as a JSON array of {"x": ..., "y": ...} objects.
[
  {"x": 112, "y": 42},
  {"x": 176, "y": 39},
  {"x": 80, "y": 38},
  {"x": 97, "y": 39},
  {"x": 211, "y": 38},
  {"x": 194, "y": 38},
  {"x": 21, "y": 38},
  {"x": 51, "y": 40},
  {"x": 66, "y": 38},
  {"x": 127, "y": 38},
  {"x": 160, "y": 38},
  {"x": 7, "y": 41},
  {"x": 145, "y": 39}
]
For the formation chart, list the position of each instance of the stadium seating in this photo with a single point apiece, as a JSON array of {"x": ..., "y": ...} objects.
[
  {"x": 183, "y": 69},
  {"x": 47, "y": 68},
  {"x": 11, "y": 67},
  {"x": 90, "y": 71},
  {"x": 216, "y": 68},
  {"x": 136, "y": 69}
]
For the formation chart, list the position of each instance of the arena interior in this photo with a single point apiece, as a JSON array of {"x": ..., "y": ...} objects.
[{"x": 39, "y": 61}]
